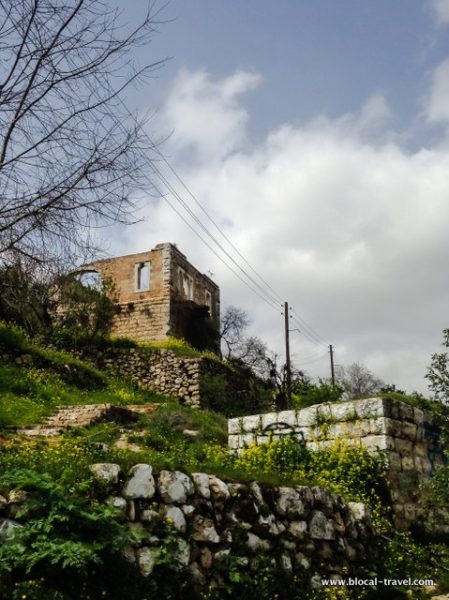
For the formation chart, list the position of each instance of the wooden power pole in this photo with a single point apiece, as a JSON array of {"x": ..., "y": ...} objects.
[
  {"x": 331, "y": 351},
  {"x": 288, "y": 368}
]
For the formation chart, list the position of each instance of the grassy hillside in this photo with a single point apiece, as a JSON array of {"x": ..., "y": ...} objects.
[{"x": 35, "y": 380}]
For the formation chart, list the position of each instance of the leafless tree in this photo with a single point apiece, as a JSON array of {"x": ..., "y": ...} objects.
[
  {"x": 357, "y": 381},
  {"x": 234, "y": 322},
  {"x": 250, "y": 351},
  {"x": 70, "y": 151}
]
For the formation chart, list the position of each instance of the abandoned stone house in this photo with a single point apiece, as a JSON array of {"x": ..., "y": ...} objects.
[{"x": 159, "y": 294}]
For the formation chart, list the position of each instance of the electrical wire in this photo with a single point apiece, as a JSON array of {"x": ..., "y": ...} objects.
[
  {"x": 219, "y": 229},
  {"x": 304, "y": 324},
  {"x": 269, "y": 298},
  {"x": 210, "y": 247},
  {"x": 312, "y": 360},
  {"x": 158, "y": 173}
]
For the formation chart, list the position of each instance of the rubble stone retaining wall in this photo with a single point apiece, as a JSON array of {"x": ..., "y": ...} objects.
[
  {"x": 304, "y": 529},
  {"x": 186, "y": 378},
  {"x": 408, "y": 436},
  {"x": 159, "y": 370}
]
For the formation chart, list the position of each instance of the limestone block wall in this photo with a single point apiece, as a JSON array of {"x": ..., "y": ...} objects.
[
  {"x": 143, "y": 320},
  {"x": 408, "y": 436},
  {"x": 302, "y": 529}
]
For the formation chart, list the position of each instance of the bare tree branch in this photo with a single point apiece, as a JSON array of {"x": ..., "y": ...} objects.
[{"x": 70, "y": 153}]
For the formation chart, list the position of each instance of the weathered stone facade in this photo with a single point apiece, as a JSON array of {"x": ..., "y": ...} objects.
[
  {"x": 409, "y": 437},
  {"x": 159, "y": 294},
  {"x": 301, "y": 528}
]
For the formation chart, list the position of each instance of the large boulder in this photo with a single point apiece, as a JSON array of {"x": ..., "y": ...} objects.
[
  {"x": 140, "y": 484},
  {"x": 218, "y": 488},
  {"x": 146, "y": 557},
  {"x": 320, "y": 527},
  {"x": 175, "y": 516},
  {"x": 256, "y": 544},
  {"x": 106, "y": 472},
  {"x": 289, "y": 503},
  {"x": 204, "y": 530},
  {"x": 8, "y": 529},
  {"x": 201, "y": 481},
  {"x": 174, "y": 487}
]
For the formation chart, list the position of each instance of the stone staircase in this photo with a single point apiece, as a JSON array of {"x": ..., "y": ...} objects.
[{"x": 68, "y": 417}]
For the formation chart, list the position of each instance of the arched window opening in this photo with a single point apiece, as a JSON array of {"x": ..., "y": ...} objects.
[{"x": 90, "y": 279}]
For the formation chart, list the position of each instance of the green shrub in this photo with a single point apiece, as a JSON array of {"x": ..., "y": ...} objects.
[
  {"x": 68, "y": 340},
  {"x": 28, "y": 395},
  {"x": 70, "y": 545},
  {"x": 306, "y": 392},
  {"x": 417, "y": 400},
  {"x": 240, "y": 393}
]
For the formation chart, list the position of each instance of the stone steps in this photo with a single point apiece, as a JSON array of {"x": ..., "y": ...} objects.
[{"x": 68, "y": 417}]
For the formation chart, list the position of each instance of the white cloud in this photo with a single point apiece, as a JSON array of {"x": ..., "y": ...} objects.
[
  {"x": 352, "y": 231},
  {"x": 441, "y": 10},
  {"x": 437, "y": 106},
  {"x": 206, "y": 115}
]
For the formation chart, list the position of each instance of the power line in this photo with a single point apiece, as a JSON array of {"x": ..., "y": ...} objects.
[
  {"x": 309, "y": 331},
  {"x": 269, "y": 298},
  {"x": 313, "y": 333},
  {"x": 312, "y": 360},
  {"x": 210, "y": 247},
  {"x": 219, "y": 229},
  {"x": 158, "y": 173}
]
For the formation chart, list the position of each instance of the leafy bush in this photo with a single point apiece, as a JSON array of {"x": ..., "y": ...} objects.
[
  {"x": 306, "y": 393},
  {"x": 68, "y": 340},
  {"x": 83, "y": 309},
  {"x": 417, "y": 400},
  {"x": 67, "y": 461},
  {"x": 241, "y": 393},
  {"x": 345, "y": 469},
  {"x": 70, "y": 546}
]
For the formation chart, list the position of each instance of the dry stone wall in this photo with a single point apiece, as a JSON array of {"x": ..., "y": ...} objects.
[
  {"x": 304, "y": 529},
  {"x": 408, "y": 436},
  {"x": 159, "y": 370},
  {"x": 186, "y": 378}
]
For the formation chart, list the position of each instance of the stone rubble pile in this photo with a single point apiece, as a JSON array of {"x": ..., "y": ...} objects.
[{"x": 309, "y": 528}]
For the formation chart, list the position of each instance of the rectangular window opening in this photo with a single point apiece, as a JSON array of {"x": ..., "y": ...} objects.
[
  {"x": 143, "y": 277},
  {"x": 185, "y": 284},
  {"x": 208, "y": 301}
]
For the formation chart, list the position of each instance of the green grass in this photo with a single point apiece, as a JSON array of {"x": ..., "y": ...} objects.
[
  {"x": 31, "y": 391},
  {"x": 180, "y": 347},
  {"x": 418, "y": 401},
  {"x": 15, "y": 343},
  {"x": 28, "y": 395}
]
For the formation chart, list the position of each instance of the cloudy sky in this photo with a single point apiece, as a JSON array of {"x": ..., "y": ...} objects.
[{"x": 316, "y": 135}]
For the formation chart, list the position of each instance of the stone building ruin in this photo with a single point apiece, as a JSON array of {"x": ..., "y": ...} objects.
[{"x": 158, "y": 295}]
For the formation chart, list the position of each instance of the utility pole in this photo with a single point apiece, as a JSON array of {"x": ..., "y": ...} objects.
[
  {"x": 331, "y": 350},
  {"x": 288, "y": 369}
]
